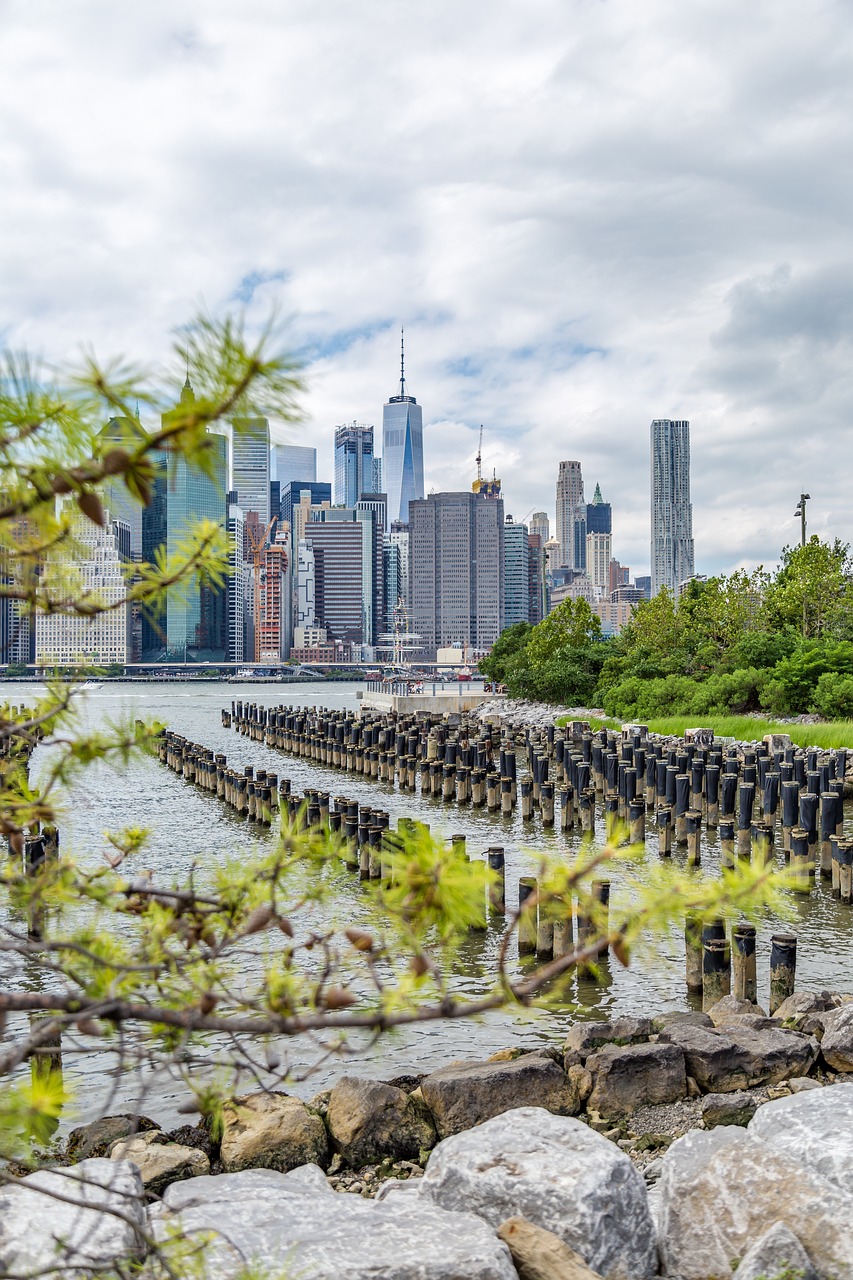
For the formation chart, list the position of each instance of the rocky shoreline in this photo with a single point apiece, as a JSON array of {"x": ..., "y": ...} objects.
[{"x": 636, "y": 1114}]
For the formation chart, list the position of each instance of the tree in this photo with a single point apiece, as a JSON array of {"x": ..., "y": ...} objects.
[
  {"x": 511, "y": 641},
  {"x": 813, "y": 590},
  {"x": 230, "y": 956}
]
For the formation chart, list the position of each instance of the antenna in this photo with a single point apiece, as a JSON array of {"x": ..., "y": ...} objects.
[
  {"x": 480, "y": 454},
  {"x": 402, "y": 363}
]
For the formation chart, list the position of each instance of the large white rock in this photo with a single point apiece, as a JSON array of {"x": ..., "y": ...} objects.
[
  {"x": 558, "y": 1174},
  {"x": 815, "y": 1127},
  {"x": 721, "y": 1191},
  {"x": 837, "y": 1043},
  {"x": 778, "y": 1252},
  {"x": 295, "y": 1224},
  {"x": 98, "y": 1220}
]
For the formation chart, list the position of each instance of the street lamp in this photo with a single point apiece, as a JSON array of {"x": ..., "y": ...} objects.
[{"x": 801, "y": 512}]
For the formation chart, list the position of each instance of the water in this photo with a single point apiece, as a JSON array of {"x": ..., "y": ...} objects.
[{"x": 189, "y": 829}]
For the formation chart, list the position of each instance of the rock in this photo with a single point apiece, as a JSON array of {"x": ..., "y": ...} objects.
[
  {"x": 721, "y": 1191},
  {"x": 39, "y": 1233},
  {"x": 800, "y": 1084},
  {"x": 558, "y": 1174},
  {"x": 635, "y": 1076},
  {"x": 738, "y": 1057},
  {"x": 466, "y": 1094},
  {"x": 295, "y": 1222},
  {"x": 159, "y": 1161},
  {"x": 802, "y": 1011},
  {"x": 271, "y": 1131},
  {"x": 540, "y": 1255},
  {"x": 778, "y": 1252},
  {"x": 692, "y": 1019},
  {"x": 815, "y": 1127},
  {"x": 95, "y": 1139},
  {"x": 369, "y": 1121},
  {"x": 586, "y": 1037},
  {"x": 730, "y": 1009},
  {"x": 728, "y": 1108},
  {"x": 837, "y": 1043}
]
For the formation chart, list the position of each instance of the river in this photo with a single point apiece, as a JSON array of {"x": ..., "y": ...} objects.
[{"x": 190, "y": 828}]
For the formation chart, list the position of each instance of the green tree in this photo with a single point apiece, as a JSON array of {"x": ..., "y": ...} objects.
[
  {"x": 510, "y": 642},
  {"x": 813, "y": 591}
]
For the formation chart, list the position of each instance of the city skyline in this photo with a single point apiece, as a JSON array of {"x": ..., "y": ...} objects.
[{"x": 681, "y": 251}]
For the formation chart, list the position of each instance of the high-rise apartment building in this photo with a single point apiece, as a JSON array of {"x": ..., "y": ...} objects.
[
  {"x": 291, "y": 462},
  {"x": 250, "y": 466},
  {"x": 353, "y": 463},
  {"x": 571, "y": 516},
  {"x": 516, "y": 573},
  {"x": 236, "y": 587},
  {"x": 274, "y": 613},
  {"x": 456, "y": 570},
  {"x": 539, "y": 526},
  {"x": 599, "y": 553},
  {"x": 402, "y": 450},
  {"x": 96, "y": 557},
  {"x": 672, "y": 511}
]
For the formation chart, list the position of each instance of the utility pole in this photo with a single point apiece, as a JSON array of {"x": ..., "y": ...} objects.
[{"x": 801, "y": 512}]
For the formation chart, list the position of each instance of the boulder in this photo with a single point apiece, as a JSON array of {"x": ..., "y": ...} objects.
[
  {"x": 558, "y": 1174},
  {"x": 719, "y": 1192},
  {"x": 803, "y": 1010},
  {"x": 41, "y": 1233},
  {"x": 728, "y": 1108},
  {"x": 691, "y": 1018},
  {"x": 95, "y": 1139},
  {"x": 271, "y": 1131},
  {"x": 540, "y": 1255},
  {"x": 837, "y": 1043},
  {"x": 295, "y": 1223},
  {"x": 586, "y": 1037},
  {"x": 467, "y": 1093},
  {"x": 637, "y": 1075},
  {"x": 370, "y": 1121},
  {"x": 800, "y": 1084},
  {"x": 738, "y": 1057},
  {"x": 777, "y": 1253},
  {"x": 159, "y": 1161},
  {"x": 730, "y": 1009},
  {"x": 814, "y": 1127}
]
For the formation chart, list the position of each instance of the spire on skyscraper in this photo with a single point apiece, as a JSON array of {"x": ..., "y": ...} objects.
[
  {"x": 402, "y": 363},
  {"x": 596, "y": 497}
]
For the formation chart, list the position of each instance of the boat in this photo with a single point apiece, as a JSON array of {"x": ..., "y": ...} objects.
[{"x": 88, "y": 685}]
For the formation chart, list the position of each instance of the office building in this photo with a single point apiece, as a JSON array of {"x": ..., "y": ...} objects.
[
  {"x": 402, "y": 449},
  {"x": 193, "y": 624},
  {"x": 378, "y": 504},
  {"x": 343, "y": 556},
  {"x": 537, "y": 585},
  {"x": 292, "y": 494},
  {"x": 95, "y": 561},
  {"x": 290, "y": 462},
  {"x": 236, "y": 587},
  {"x": 571, "y": 516},
  {"x": 619, "y": 576},
  {"x": 274, "y": 623},
  {"x": 599, "y": 554},
  {"x": 539, "y": 526},
  {"x": 456, "y": 570},
  {"x": 516, "y": 573},
  {"x": 124, "y": 433},
  {"x": 353, "y": 463},
  {"x": 672, "y": 512},
  {"x": 644, "y": 585},
  {"x": 250, "y": 466},
  {"x": 599, "y": 518}
]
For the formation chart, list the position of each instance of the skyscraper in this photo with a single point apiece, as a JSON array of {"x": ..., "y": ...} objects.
[
  {"x": 345, "y": 565},
  {"x": 353, "y": 463},
  {"x": 599, "y": 543},
  {"x": 250, "y": 466},
  {"x": 402, "y": 449},
  {"x": 456, "y": 569},
  {"x": 571, "y": 516},
  {"x": 293, "y": 462},
  {"x": 539, "y": 526},
  {"x": 672, "y": 511},
  {"x": 516, "y": 573}
]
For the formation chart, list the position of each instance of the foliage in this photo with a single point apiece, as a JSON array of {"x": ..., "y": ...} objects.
[{"x": 740, "y": 643}]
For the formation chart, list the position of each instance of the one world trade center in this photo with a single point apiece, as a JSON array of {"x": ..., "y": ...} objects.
[{"x": 402, "y": 449}]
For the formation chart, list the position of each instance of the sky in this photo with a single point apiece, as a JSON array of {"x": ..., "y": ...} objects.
[{"x": 585, "y": 213}]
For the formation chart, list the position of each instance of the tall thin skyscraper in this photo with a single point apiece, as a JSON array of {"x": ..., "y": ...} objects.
[
  {"x": 571, "y": 516},
  {"x": 353, "y": 463},
  {"x": 540, "y": 526},
  {"x": 402, "y": 449},
  {"x": 672, "y": 511},
  {"x": 250, "y": 466}
]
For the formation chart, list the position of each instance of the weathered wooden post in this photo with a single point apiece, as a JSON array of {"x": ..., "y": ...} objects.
[
  {"x": 743, "y": 962},
  {"x": 783, "y": 968}
]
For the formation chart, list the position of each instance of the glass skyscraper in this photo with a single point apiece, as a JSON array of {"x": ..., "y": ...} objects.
[
  {"x": 672, "y": 511},
  {"x": 250, "y": 463},
  {"x": 353, "y": 463},
  {"x": 402, "y": 450}
]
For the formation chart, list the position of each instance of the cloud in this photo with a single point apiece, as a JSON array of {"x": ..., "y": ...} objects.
[{"x": 585, "y": 214}]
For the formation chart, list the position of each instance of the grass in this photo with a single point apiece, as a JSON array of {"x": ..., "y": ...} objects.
[{"x": 832, "y": 733}]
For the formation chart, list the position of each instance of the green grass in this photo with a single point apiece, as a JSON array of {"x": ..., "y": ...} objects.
[{"x": 833, "y": 733}]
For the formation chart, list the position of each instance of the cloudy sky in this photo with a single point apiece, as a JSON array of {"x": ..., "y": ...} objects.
[{"x": 586, "y": 213}]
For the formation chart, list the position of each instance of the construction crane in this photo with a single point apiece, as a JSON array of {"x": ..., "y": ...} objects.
[
  {"x": 257, "y": 543},
  {"x": 480, "y": 458}
]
